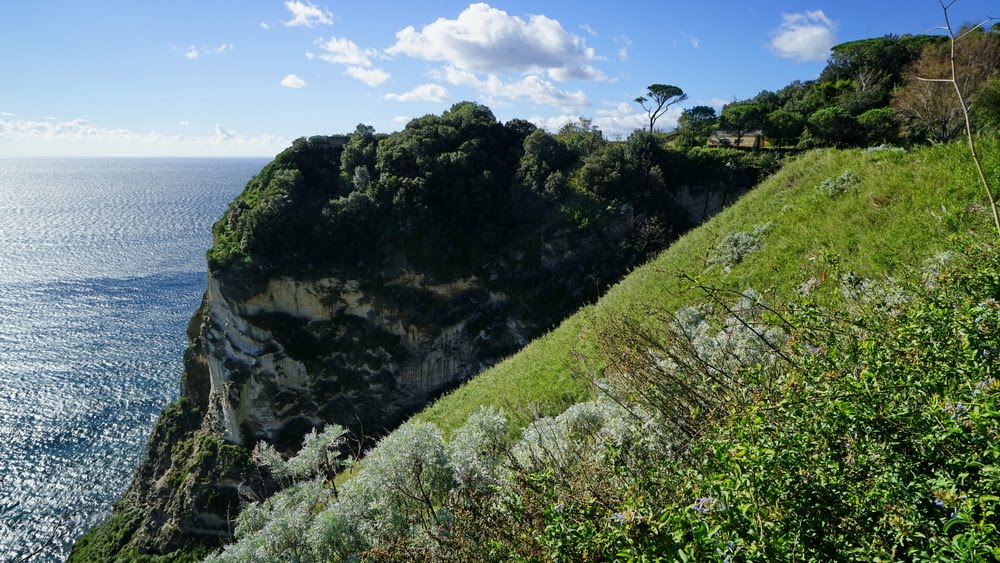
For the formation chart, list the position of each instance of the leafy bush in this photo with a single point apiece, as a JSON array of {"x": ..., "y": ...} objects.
[
  {"x": 833, "y": 187},
  {"x": 735, "y": 247},
  {"x": 879, "y": 126}
]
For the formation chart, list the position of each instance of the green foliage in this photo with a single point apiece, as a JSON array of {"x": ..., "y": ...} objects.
[
  {"x": 734, "y": 248},
  {"x": 741, "y": 118},
  {"x": 357, "y": 161},
  {"x": 660, "y": 97},
  {"x": 987, "y": 108},
  {"x": 104, "y": 542},
  {"x": 879, "y": 126},
  {"x": 871, "y": 230},
  {"x": 263, "y": 228},
  {"x": 582, "y": 137},
  {"x": 544, "y": 156},
  {"x": 872, "y": 436},
  {"x": 833, "y": 126},
  {"x": 834, "y": 187},
  {"x": 318, "y": 457},
  {"x": 696, "y": 125},
  {"x": 783, "y": 128},
  {"x": 897, "y": 461}
]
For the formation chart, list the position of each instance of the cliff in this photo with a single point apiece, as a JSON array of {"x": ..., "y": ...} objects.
[{"x": 355, "y": 297}]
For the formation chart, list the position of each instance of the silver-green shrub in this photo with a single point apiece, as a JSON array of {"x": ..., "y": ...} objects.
[
  {"x": 477, "y": 451},
  {"x": 734, "y": 248},
  {"x": 883, "y": 148},
  {"x": 406, "y": 477},
  {"x": 276, "y": 529},
  {"x": 836, "y": 186},
  {"x": 320, "y": 455}
]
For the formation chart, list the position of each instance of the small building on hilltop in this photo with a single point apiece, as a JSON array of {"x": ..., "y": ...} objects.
[{"x": 750, "y": 140}]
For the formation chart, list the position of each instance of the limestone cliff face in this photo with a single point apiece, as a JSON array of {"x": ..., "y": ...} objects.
[
  {"x": 301, "y": 353},
  {"x": 304, "y": 353}
]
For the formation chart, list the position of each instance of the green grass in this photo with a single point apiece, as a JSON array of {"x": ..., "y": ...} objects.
[{"x": 902, "y": 212}]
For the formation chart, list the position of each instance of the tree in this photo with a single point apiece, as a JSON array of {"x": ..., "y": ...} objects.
[
  {"x": 740, "y": 118},
  {"x": 834, "y": 126},
  {"x": 879, "y": 126},
  {"x": 783, "y": 127},
  {"x": 946, "y": 77},
  {"x": 581, "y": 136},
  {"x": 987, "y": 114},
  {"x": 977, "y": 70},
  {"x": 357, "y": 161},
  {"x": 695, "y": 125},
  {"x": 543, "y": 156},
  {"x": 660, "y": 97}
]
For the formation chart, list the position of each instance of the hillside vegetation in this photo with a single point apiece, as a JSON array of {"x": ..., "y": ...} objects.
[
  {"x": 901, "y": 211},
  {"x": 808, "y": 375}
]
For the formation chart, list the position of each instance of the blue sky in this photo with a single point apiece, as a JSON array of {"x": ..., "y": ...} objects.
[{"x": 226, "y": 77}]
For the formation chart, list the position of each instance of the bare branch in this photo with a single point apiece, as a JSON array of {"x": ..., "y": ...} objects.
[
  {"x": 965, "y": 113},
  {"x": 977, "y": 26}
]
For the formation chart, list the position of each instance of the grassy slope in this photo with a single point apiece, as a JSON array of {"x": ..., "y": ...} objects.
[{"x": 901, "y": 213}]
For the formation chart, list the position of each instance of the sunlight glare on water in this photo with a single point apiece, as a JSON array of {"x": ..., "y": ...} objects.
[{"x": 101, "y": 266}]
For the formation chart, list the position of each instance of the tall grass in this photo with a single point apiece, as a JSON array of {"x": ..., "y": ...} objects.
[{"x": 903, "y": 210}]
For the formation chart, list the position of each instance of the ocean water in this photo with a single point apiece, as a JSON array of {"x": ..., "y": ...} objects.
[{"x": 102, "y": 263}]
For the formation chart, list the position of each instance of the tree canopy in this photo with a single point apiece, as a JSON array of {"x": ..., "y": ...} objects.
[{"x": 659, "y": 97}]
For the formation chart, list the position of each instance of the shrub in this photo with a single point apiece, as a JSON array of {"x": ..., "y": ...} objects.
[
  {"x": 735, "y": 247},
  {"x": 879, "y": 126},
  {"x": 833, "y": 187}
]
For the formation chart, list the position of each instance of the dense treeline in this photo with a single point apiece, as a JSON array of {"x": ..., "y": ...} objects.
[
  {"x": 454, "y": 193},
  {"x": 870, "y": 93}
]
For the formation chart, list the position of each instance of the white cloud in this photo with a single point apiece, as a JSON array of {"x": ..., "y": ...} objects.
[
  {"x": 401, "y": 120},
  {"x": 716, "y": 103},
  {"x": 264, "y": 26},
  {"x": 307, "y": 14},
  {"x": 370, "y": 76},
  {"x": 488, "y": 40},
  {"x": 345, "y": 51},
  {"x": 590, "y": 31},
  {"x": 184, "y": 123},
  {"x": 531, "y": 87},
  {"x": 623, "y": 43},
  {"x": 422, "y": 93},
  {"x": 552, "y": 124},
  {"x": 292, "y": 81},
  {"x": 622, "y": 118},
  {"x": 804, "y": 36},
  {"x": 693, "y": 41},
  {"x": 82, "y": 137},
  {"x": 193, "y": 53},
  {"x": 6, "y": 114},
  {"x": 358, "y": 61}
]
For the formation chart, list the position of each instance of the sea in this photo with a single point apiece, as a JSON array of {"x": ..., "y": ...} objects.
[{"x": 102, "y": 263}]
